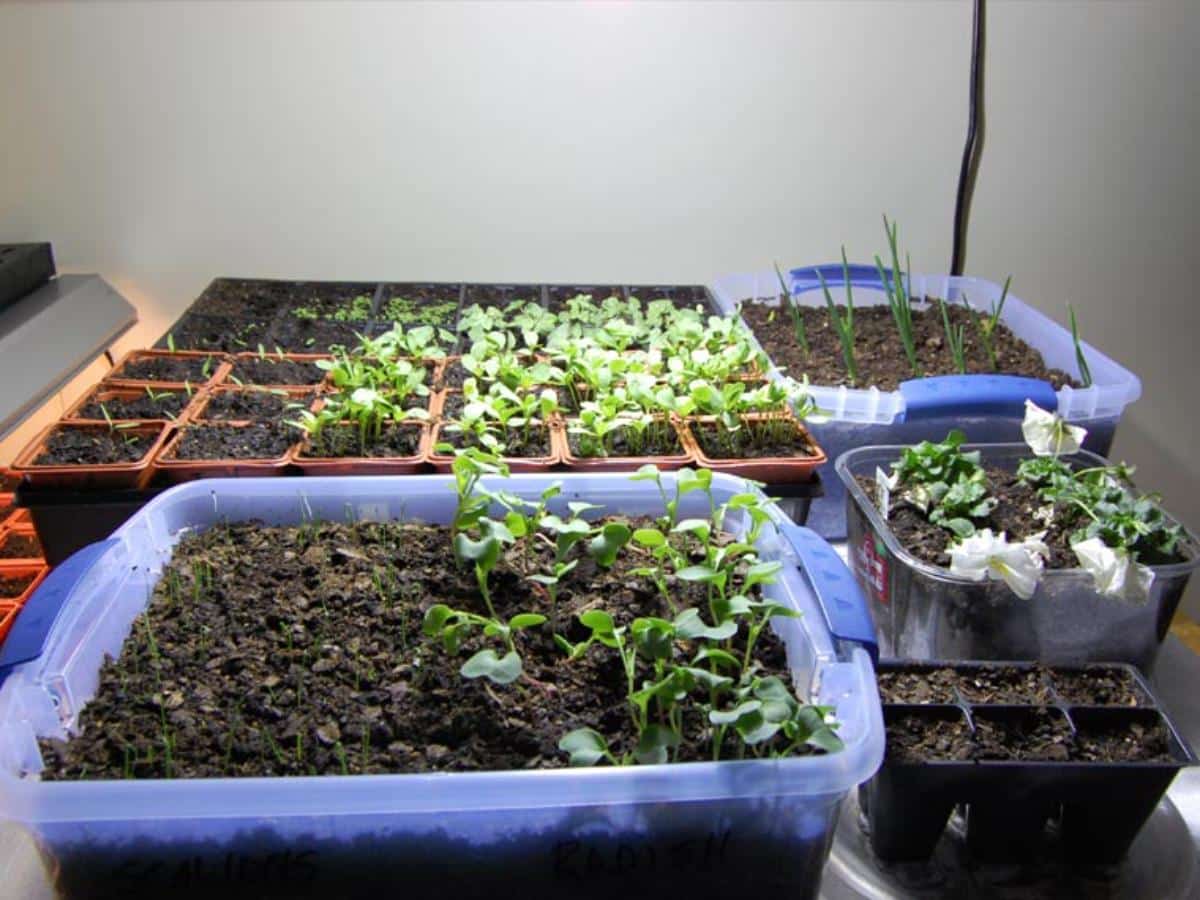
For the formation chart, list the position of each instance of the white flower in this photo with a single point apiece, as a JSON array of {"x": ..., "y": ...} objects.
[
  {"x": 884, "y": 485},
  {"x": 1114, "y": 570},
  {"x": 1047, "y": 434},
  {"x": 985, "y": 555}
]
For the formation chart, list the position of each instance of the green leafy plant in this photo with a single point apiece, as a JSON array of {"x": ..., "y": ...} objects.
[
  {"x": 955, "y": 339},
  {"x": 986, "y": 326},
  {"x": 898, "y": 297},
  {"x": 945, "y": 482},
  {"x": 1085, "y": 372},
  {"x": 843, "y": 324},
  {"x": 793, "y": 309}
]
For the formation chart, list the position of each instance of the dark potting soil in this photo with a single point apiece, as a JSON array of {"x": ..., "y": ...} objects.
[
  {"x": 749, "y": 442},
  {"x": 1006, "y": 684},
  {"x": 294, "y": 651},
  {"x": 1026, "y": 734},
  {"x": 918, "y": 738},
  {"x": 652, "y": 442},
  {"x": 1123, "y": 742},
  {"x": 21, "y": 546},
  {"x": 247, "y": 297},
  {"x": 93, "y": 446},
  {"x": 276, "y": 371},
  {"x": 178, "y": 369},
  {"x": 396, "y": 441},
  {"x": 12, "y": 586},
  {"x": 164, "y": 405},
  {"x": 1097, "y": 686},
  {"x": 518, "y": 443},
  {"x": 878, "y": 352},
  {"x": 312, "y": 335},
  {"x": 253, "y": 405},
  {"x": 921, "y": 686},
  {"x": 256, "y": 441},
  {"x": 217, "y": 334}
]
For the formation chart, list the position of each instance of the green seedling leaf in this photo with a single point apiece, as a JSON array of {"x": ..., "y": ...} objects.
[
  {"x": 653, "y": 637},
  {"x": 654, "y": 743},
  {"x": 698, "y": 573},
  {"x": 435, "y": 618},
  {"x": 721, "y": 657},
  {"x": 585, "y": 746},
  {"x": 598, "y": 621},
  {"x": 762, "y": 573},
  {"x": 649, "y": 537},
  {"x": 605, "y": 546},
  {"x": 690, "y": 626},
  {"x": 525, "y": 620},
  {"x": 730, "y": 716},
  {"x": 486, "y": 664}
]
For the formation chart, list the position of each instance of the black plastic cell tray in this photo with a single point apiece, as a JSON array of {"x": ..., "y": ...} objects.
[
  {"x": 1099, "y": 807},
  {"x": 23, "y": 269}
]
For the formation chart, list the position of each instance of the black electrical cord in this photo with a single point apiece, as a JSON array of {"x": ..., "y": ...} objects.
[{"x": 974, "y": 146}]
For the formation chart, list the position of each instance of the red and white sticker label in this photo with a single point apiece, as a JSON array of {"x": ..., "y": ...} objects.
[{"x": 870, "y": 561}]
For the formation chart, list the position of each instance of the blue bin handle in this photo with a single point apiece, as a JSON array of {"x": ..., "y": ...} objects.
[
  {"x": 865, "y": 275},
  {"x": 838, "y": 594},
  {"x": 36, "y": 619},
  {"x": 951, "y": 395}
]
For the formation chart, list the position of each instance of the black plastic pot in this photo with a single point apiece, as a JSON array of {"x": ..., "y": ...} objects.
[
  {"x": 67, "y": 521},
  {"x": 23, "y": 269},
  {"x": 1099, "y": 806}
]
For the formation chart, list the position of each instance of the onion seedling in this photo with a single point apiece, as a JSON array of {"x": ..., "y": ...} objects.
[
  {"x": 955, "y": 339},
  {"x": 1085, "y": 372},
  {"x": 897, "y": 289},
  {"x": 843, "y": 325},
  {"x": 794, "y": 311}
]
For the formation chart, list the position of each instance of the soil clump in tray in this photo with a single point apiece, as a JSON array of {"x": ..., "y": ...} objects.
[
  {"x": 922, "y": 686},
  {"x": 1027, "y": 687},
  {"x": 14, "y": 585},
  {"x": 745, "y": 446},
  {"x": 278, "y": 371},
  {"x": 163, "y": 405},
  {"x": 518, "y": 443},
  {"x": 1028, "y": 734},
  {"x": 255, "y": 441},
  {"x": 178, "y": 369},
  {"x": 654, "y": 442},
  {"x": 20, "y": 546},
  {"x": 343, "y": 441},
  {"x": 917, "y": 738},
  {"x": 250, "y": 405},
  {"x": 1095, "y": 686},
  {"x": 93, "y": 446}
]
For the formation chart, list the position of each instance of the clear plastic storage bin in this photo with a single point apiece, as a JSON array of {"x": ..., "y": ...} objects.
[
  {"x": 699, "y": 828},
  {"x": 987, "y": 408},
  {"x": 923, "y": 611}
]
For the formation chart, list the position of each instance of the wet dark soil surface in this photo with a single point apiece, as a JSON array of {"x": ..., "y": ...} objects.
[
  {"x": 179, "y": 369},
  {"x": 1026, "y": 734},
  {"x": 93, "y": 446},
  {"x": 218, "y": 334},
  {"x": 20, "y": 546},
  {"x": 268, "y": 371},
  {"x": 918, "y": 738},
  {"x": 1005, "y": 685},
  {"x": 498, "y": 295},
  {"x": 879, "y": 355},
  {"x": 654, "y": 441},
  {"x": 1013, "y": 514},
  {"x": 12, "y": 586},
  {"x": 922, "y": 686},
  {"x": 292, "y": 651},
  {"x": 252, "y": 405},
  {"x": 164, "y": 405},
  {"x": 257, "y": 441},
  {"x": 339, "y": 442},
  {"x": 294, "y": 335},
  {"x": 518, "y": 443},
  {"x": 752, "y": 442},
  {"x": 245, "y": 296},
  {"x": 1123, "y": 742},
  {"x": 1095, "y": 686}
]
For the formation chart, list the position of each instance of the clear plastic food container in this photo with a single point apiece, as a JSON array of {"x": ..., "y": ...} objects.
[
  {"x": 698, "y": 827},
  {"x": 923, "y": 611},
  {"x": 987, "y": 408}
]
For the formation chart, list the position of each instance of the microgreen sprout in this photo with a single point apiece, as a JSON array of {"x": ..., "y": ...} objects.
[{"x": 986, "y": 325}]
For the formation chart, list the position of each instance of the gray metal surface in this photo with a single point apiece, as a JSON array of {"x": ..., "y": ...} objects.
[
  {"x": 1163, "y": 863},
  {"x": 47, "y": 338}
]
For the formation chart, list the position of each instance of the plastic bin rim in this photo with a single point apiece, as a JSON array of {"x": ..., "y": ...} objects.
[{"x": 847, "y": 459}]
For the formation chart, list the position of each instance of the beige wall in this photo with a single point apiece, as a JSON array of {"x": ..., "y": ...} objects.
[{"x": 164, "y": 144}]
